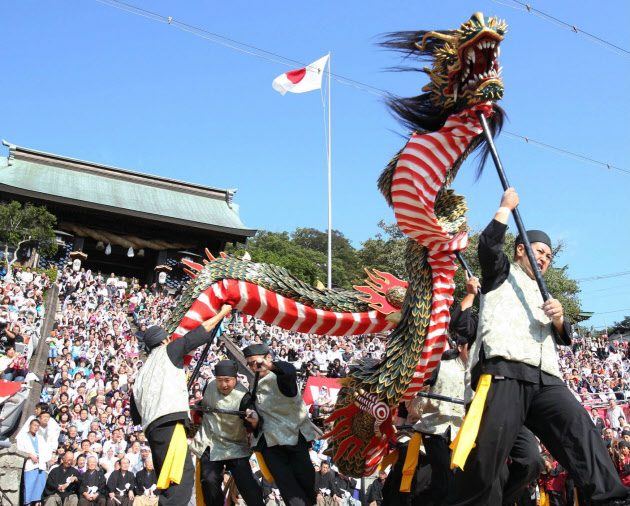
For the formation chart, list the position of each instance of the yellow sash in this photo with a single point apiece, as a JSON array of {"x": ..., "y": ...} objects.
[
  {"x": 198, "y": 491},
  {"x": 173, "y": 467},
  {"x": 263, "y": 467},
  {"x": 390, "y": 459},
  {"x": 411, "y": 461},
  {"x": 465, "y": 440},
  {"x": 544, "y": 497}
]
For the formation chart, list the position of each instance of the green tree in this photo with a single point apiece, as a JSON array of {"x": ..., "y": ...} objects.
[
  {"x": 620, "y": 326},
  {"x": 560, "y": 285},
  {"x": 386, "y": 251},
  {"x": 20, "y": 225}
]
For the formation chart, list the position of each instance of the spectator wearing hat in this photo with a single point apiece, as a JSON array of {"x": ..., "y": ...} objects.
[
  {"x": 284, "y": 434},
  {"x": 221, "y": 442},
  {"x": 160, "y": 404}
]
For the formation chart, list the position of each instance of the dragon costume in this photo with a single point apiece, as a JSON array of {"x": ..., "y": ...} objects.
[{"x": 464, "y": 79}]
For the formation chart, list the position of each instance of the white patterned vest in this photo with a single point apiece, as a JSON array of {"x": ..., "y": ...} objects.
[
  {"x": 284, "y": 417},
  {"x": 160, "y": 388},
  {"x": 512, "y": 324},
  {"x": 224, "y": 434},
  {"x": 438, "y": 416}
]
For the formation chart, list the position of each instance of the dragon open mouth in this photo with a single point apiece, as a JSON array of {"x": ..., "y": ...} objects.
[{"x": 480, "y": 63}]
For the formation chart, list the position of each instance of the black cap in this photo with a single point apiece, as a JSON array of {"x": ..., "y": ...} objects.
[
  {"x": 255, "y": 349},
  {"x": 625, "y": 433},
  {"x": 623, "y": 443},
  {"x": 226, "y": 368},
  {"x": 534, "y": 236},
  {"x": 154, "y": 336}
]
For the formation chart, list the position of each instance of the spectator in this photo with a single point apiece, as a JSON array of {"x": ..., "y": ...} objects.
[
  {"x": 39, "y": 454},
  {"x": 375, "y": 490},
  {"x": 145, "y": 486},
  {"x": 325, "y": 486},
  {"x": 62, "y": 485},
  {"x": 615, "y": 416},
  {"x": 120, "y": 486},
  {"x": 92, "y": 486}
]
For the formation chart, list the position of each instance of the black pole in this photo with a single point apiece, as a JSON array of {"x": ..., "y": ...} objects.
[
  {"x": 440, "y": 397},
  {"x": 515, "y": 211},
  {"x": 462, "y": 260},
  {"x": 204, "y": 355}
]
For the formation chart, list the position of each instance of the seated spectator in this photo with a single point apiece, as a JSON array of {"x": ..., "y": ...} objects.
[
  {"x": 375, "y": 490},
  {"x": 92, "y": 486},
  {"x": 325, "y": 486},
  {"x": 15, "y": 369},
  {"x": 120, "y": 486},
  {"x": 62, "y": 485},
  {"x": 145, "y": 486}
]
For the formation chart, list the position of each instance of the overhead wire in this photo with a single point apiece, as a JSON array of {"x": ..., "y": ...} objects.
[
  {"x": 290, "y": 62},
  {"x": 604, "y": 276},
  {"x": 567, "y": 26}
]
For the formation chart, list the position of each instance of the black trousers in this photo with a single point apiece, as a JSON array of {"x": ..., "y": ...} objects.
[
  {"x": 439, "y": 457},
  {"x": 563, "y": 426},
  {"x": 177, "y": 494},
  {"x": 419, "y": 491},
  {"x": 524, "y": 466},
  {"x": 293, "y": 472},
  {"x": 211, "y": 480}
]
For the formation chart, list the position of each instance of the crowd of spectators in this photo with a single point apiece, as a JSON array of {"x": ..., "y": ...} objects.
[{"x": 96, "y": 350}]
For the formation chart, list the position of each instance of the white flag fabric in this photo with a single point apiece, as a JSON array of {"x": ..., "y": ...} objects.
[{"x": 299, "y": 81}]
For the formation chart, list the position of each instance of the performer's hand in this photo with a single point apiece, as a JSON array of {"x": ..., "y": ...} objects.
[
  {"x": 472, "y": 284},
  {"x": 111, "y": 495},
  {"x": 553, "y": 309},
  {"x": 261, "y": 365},
  {"x": 509, "y": 199},
  {"x": 131, "y": 495},
  {"x": 320, "y": 497},
  {"x": 252, "y": 417}
]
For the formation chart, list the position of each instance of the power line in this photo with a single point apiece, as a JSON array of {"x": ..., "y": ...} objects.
[
  {"x": 605, "y": 289},
  {"x": 615, "y": 311},
  {"x": 290, "y": 62},
  {"x": 604, "y": 276},
  {"x": 568, "y": 26}
]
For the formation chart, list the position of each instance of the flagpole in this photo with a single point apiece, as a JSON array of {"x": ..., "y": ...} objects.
[{"x": 329, "y": 187}]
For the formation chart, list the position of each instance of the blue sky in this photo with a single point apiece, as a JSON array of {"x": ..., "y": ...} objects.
[{"x": 85, "y": 80}]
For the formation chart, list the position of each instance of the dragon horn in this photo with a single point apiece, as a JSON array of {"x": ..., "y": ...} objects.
[{"x": 209, "y": 255}]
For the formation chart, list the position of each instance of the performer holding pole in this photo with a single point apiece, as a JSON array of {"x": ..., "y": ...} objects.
[
  {"x": 525, "y": 462},
  {"x": 160, "y": 404},
  {"x": 440, "y": 420},
  {"x": 520, "y": 382},
  {"x": 282, "y": 429},
  {"x": 221, "y": 442}
]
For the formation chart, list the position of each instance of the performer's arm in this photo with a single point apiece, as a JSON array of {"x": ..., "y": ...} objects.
[
  {"x": 463, "y": 322},
  {"x": 181, "y": 347},
  {"x": 135, "y": 414},
  {"x": 287, "y": 378},
  {"x": 495, "y": 265}
]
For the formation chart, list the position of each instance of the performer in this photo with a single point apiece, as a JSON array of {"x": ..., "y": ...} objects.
[
  {"x": 515, "y": 350},
  {"x": 120, "y": 485},
  {"x": 222, "y": 439},
  {"x": 160, "y": 404},
  {"x": 145, "y": 485},
  {"x": 282, "y": 431},
  {"x": 525, "y": 463},
  {"x": 39, "y": 454},
  {"x": 441, "y": 420},
  {"x": 92, "y": 485}
]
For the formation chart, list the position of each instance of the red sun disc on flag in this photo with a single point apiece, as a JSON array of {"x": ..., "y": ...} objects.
[{"x": 295, "y": 76}]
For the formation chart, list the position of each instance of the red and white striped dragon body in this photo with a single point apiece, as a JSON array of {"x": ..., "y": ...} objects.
[{"x": 464, "y": 79}]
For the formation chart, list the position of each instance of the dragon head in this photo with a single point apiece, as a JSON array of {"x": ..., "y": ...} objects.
[{"x": 465, "y": 69}]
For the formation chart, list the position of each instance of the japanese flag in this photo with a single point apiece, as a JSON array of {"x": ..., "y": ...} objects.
[{"x": 299, "y": 81}]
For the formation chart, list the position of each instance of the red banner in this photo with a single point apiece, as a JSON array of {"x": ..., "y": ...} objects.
[{"x": 318, "y": 389}]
